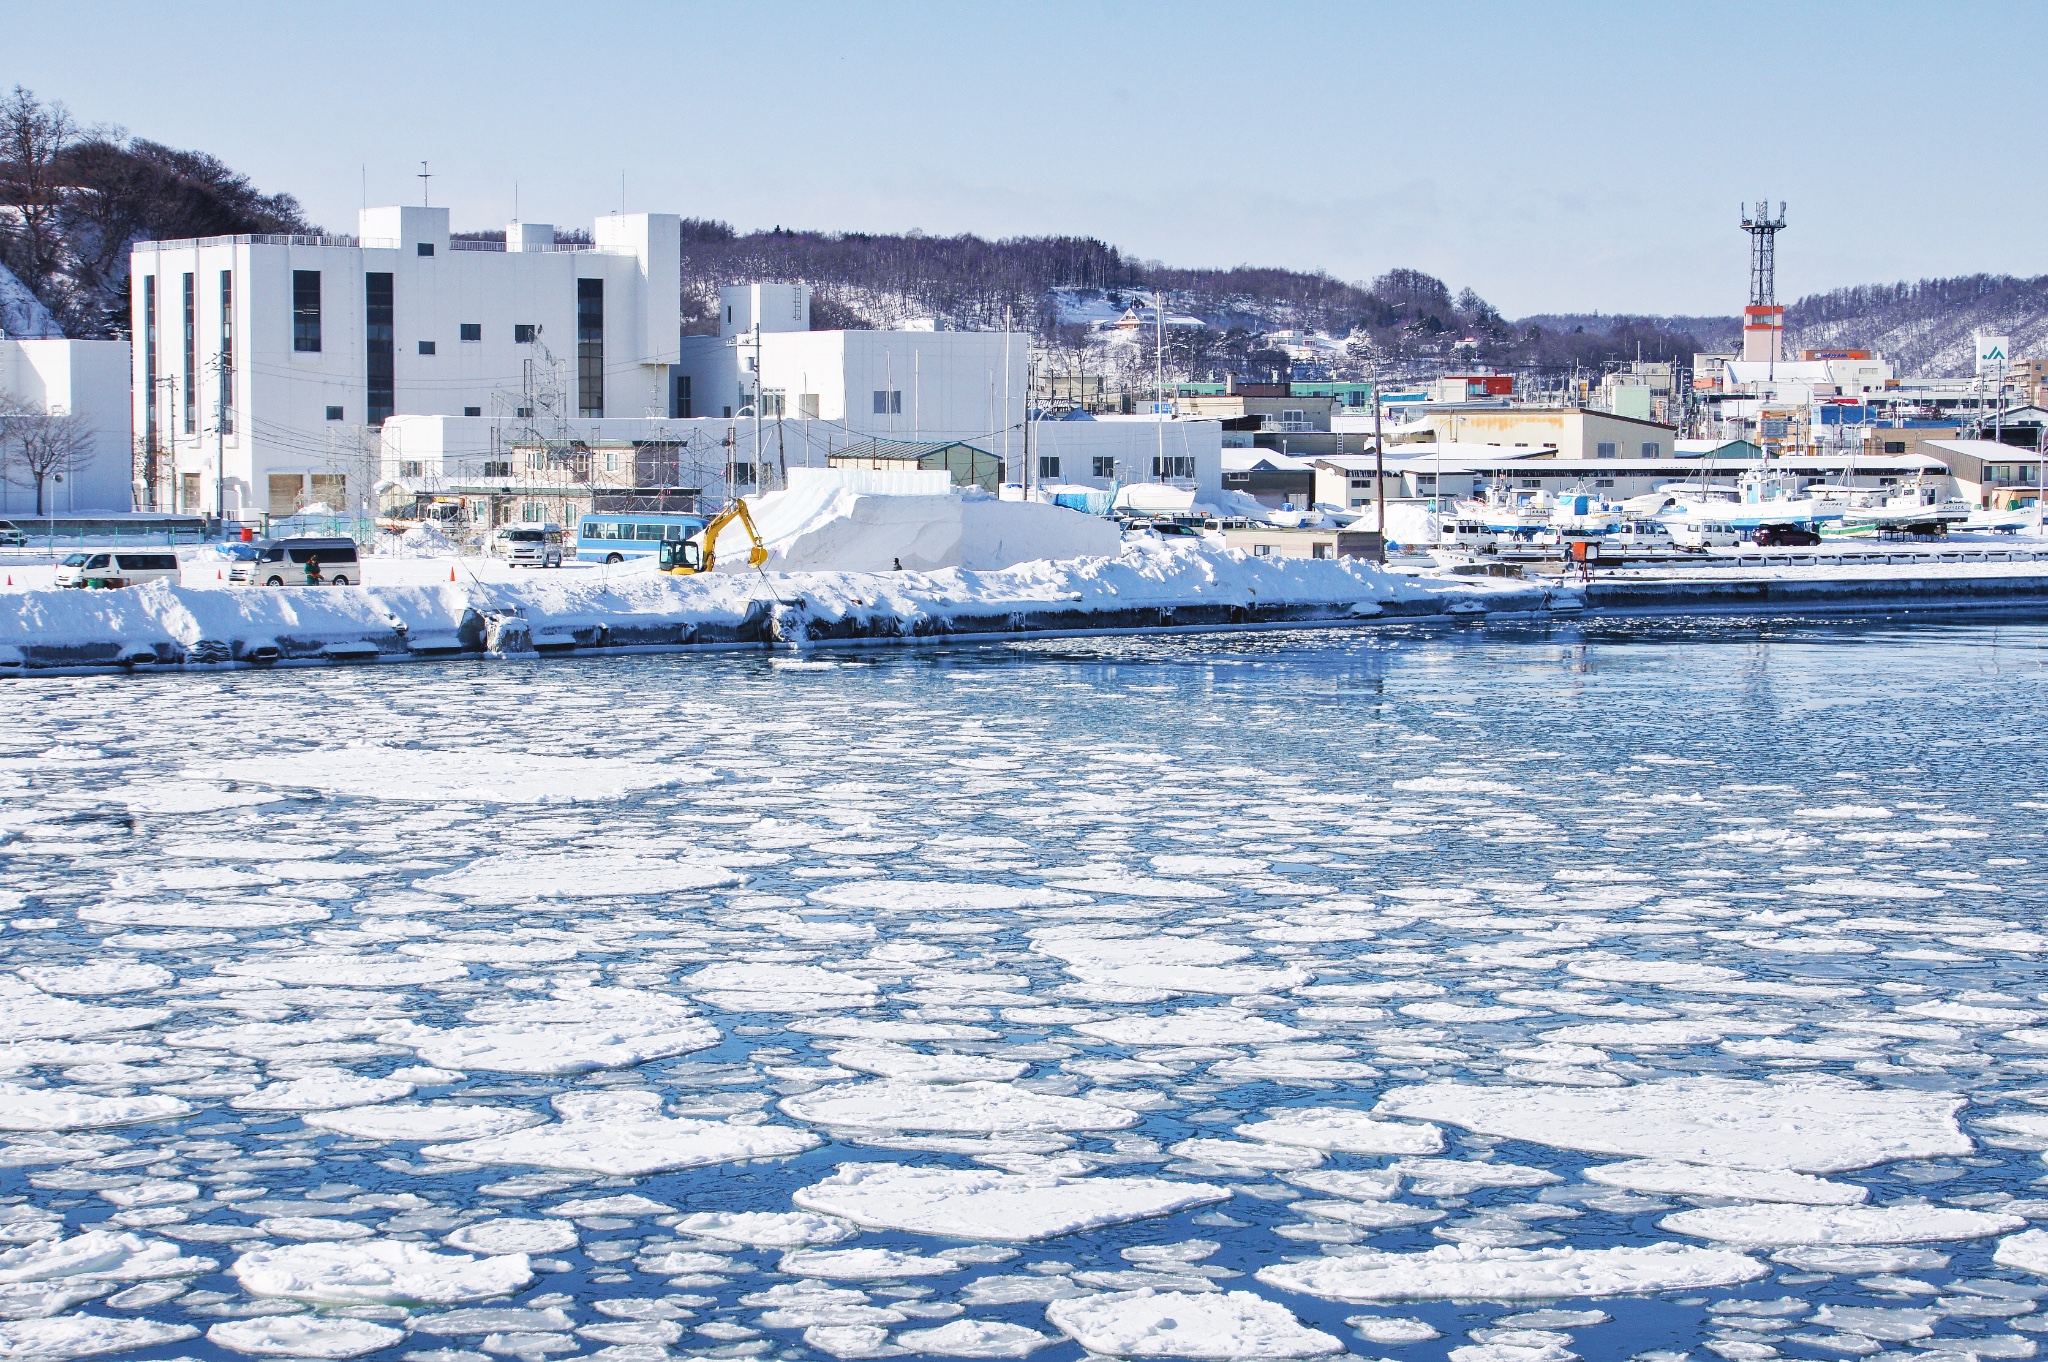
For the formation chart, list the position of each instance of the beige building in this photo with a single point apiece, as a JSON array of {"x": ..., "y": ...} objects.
[
  {"x": 1987, "y": 473},
  {"x": 1574, "y": 432},
  {"x": 1279, "y": 411}
]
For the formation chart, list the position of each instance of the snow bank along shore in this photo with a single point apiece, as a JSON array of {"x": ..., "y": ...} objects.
[{"x": 1146, "y": 587}]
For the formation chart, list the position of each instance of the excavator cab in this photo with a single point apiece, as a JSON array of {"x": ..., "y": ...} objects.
[
  {"x": 692, "y": 556},
  {"x": 682, "y": 556}
]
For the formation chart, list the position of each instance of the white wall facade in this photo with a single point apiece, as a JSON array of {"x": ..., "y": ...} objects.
[
  {"x": 288, "y": 411},
  {"x": 1110, "y": 452},
  {"x": 88, "y": 378},
  {"x": 932, "y": 385}
]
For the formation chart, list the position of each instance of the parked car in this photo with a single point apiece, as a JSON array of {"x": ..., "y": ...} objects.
[
  {"x": 1704, "y": 534},
  {"x": 528, "y": 545},
  {"x": 283, "y": 562},
  {"x": 11, "y": 536},
  {"x": 1785, "y": 536},
  {"x": 116, "y": 568}
]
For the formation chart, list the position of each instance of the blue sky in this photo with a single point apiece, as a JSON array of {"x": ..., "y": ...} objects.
[{"x": 1554, "y": 157}]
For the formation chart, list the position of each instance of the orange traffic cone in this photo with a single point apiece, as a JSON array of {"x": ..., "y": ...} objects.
[
  {"x": 451, "y": 574},
  {"x": 218, "y": 576}
]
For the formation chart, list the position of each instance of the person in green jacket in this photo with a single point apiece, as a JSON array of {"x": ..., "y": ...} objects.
[{"x": 313, "y": 569}]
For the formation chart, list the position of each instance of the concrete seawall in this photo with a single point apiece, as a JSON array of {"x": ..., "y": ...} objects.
[{"x": 160, "y": 628}]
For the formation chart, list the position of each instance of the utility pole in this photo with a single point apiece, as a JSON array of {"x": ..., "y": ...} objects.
[
  {"x": 759, "y": 391},
  {"x": 1379, "y": 450},
  {"x": 220, "y": 443},
  {"x": 1159, "y": 379}
]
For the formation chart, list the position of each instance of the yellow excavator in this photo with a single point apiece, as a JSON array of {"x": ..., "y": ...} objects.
[{"x": 688, "y": 557}]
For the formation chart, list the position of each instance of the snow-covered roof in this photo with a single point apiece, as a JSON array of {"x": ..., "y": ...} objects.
[{"x": 1253, "y": 460}]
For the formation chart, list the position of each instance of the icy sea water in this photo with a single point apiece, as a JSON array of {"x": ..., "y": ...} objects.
[{"x": 1674, "y": 986}]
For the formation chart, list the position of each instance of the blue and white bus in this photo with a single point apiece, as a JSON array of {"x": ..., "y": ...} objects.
[{"x": 615, "y": 536}]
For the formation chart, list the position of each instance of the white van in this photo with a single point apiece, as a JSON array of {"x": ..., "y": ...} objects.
[
  {"x": 283, "y": 562},
  {"x": 528, "y": 545},
  {"x": 1704, "y": 534},
  {"x": 117, "y": 568}
]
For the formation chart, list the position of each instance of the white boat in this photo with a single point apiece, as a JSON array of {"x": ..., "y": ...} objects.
[
  {"x": 1507, "y": 510},
  {"x": 1762, "y": 496},
  {"x": 1919, "y": 502}
]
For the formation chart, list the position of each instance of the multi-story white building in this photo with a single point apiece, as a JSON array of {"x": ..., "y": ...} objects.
[
  {"x": 86, "y": 379},
  {"x": 265, "y": 366},
  {"x": 888, "y": 385}
]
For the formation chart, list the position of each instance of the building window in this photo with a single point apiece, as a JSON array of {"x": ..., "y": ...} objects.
[
  {"x": 1652, "y": 449},
  {"x": 523, "y": 333},
  {"x": 377, "y": 346},
  {"x": 1319, "y": 550},
  {"x": 1173, "y": 466},
  {"x": 191, "y": 357},
  {"x": 149, "y": 364},
  {"x": 590, "y": 347},
  {"x": 807, "y": 406},
  {"x": 411, "y": 468},
  {"x": 472, "y": 331},
  {"x": 472, "y": 411},
  {"x": 772, "y": 402},
  {"x": 1894, "y": 446},
  {"x": 426, "y": 347},
  {"x": 679, "y": 397},
  {"x": 330, "y": 490},
  {"x": 523, "y": 413},
  {"x": 334, "y": 413},
  {"x": 1603, "y": 482},
  {"x": 497, "y": 468},
  {"x": 306, "y": 311},
  {"x": 611, "y": 463},
  {"x": 1262, "y": 550},
  {"x": 743, "y": 475},
  {"x": 227, "y": 352},
  {"x": 536, "y": 460},
  {"x": 1530, "y": 482},
  {"x": 1048, "y": 466},
  {"x": 426, "y": 248},
  {"x": 1606, "y": 449},
  {"x": 1105, "y": 466},
  {"x": 531, "y": 511},
  {"x": 889, "y": 403}
]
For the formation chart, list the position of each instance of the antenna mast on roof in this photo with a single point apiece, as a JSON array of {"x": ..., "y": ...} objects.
[{"x": 1763, "y": 232}]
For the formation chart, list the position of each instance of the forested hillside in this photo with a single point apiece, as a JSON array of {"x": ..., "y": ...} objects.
[{"x": 73, "y": 200}]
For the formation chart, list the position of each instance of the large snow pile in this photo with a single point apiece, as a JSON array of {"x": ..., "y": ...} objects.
[
  {"x": 851, "y": 520},
  {"x": 1414, "y": 527}
]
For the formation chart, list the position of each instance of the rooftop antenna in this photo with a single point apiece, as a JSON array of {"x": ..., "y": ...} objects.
[
  {"x": 1763, "y": 321},
  {"x": 1763, "y": 232},
  {"x": 423, "y": 177}
]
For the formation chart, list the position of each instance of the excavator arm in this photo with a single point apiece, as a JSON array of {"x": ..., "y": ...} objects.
[{"x": 700, "y": 554}]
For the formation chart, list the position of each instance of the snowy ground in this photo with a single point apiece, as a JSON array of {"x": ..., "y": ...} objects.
[{"x": 1415, "y": 995}]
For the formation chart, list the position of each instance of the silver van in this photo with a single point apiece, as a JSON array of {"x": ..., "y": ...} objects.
[
  {"x": 528, "y": 545},
  {"x": 115, "y": 568},
  {"x": 284, "y": 562}
]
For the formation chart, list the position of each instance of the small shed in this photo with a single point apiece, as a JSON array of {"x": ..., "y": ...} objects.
[{"x": 966, "y": 464}]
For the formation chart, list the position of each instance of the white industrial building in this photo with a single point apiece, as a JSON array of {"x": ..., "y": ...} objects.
[
  {"x": 83, "y": 378},
  {"x": 265, "y": 366},
  {"x": 870, "y": 385}
]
